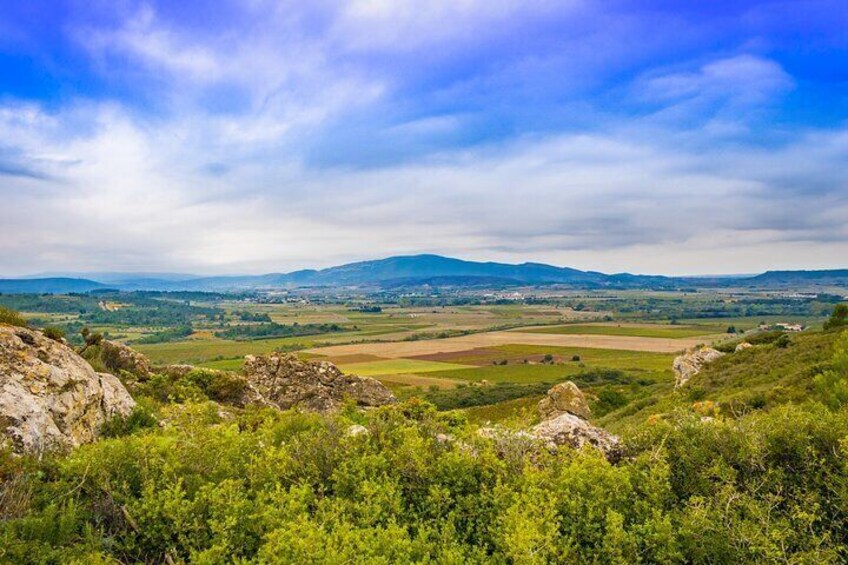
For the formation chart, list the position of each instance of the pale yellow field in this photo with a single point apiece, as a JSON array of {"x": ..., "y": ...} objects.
[{"x": 396, "y": 350}]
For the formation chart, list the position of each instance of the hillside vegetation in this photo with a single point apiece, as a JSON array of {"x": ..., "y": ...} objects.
[{"x": 743, "y": 464}]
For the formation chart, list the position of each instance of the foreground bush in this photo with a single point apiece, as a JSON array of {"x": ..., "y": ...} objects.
[
  {"x": 12, "y": 318},
  {"x": 272, "y": 487}
]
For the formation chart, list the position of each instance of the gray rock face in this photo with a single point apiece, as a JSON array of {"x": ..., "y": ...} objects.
[
  {"x": 50, "y": 397},
  {"x": 690, "y": 363},
  {"x": 564, "y": 398},
  {"x": 574, "y": 431},
  {"x": 286, "y": 382}
]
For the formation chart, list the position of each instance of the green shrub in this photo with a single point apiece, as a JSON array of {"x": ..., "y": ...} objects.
[
  {"x": 838, "y": 318},
  {"x": 54, "y": 333},
  {"x": 12, "y": 318},
  {"x": 142, "y": 417},
  {"x": 284, "y": 487}
]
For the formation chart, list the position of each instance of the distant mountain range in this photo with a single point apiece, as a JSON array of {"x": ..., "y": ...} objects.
[{"x": 411, "y": 271}]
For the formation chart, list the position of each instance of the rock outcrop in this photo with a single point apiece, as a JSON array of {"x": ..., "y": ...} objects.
[
  {"x": 690, "y": 363},
  {"x": 564, "y": 398},
  {"x": 50, "y": 397},
  {"x": 285, "y": 382},
  {"x": 564, "y": 413},
  {"x": 742, "y": 347},
  {"x": 118, "y": 357},
  {"x": 573, "y": 431}
]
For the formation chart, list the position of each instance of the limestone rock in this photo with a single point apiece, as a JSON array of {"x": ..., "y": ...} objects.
[
  {"x": 357, "y": 430},
  {"x": 50, "y": 397},
  {"x": 564, "y": 412},
  {"x": 564, "y": 398},
  {"x": 118, "y": 357},
  {"x": 690, "y": 363},
  {"x": 742, "y": 346},
  {"x": 574, "y": 431},
  {"x": 286, "y": 382}
]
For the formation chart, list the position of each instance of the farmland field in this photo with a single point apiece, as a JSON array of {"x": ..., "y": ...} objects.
[
  {"x": 633, "y": 330},
  {"x": 397, "y": 366},
  {"x": 492, "y": 360}
]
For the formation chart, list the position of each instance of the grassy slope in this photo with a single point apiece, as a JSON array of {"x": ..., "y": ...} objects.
[{"x": 764, "y": 376}]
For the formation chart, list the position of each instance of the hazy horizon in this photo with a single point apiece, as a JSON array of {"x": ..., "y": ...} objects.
[{"x": 233, "y": 137}]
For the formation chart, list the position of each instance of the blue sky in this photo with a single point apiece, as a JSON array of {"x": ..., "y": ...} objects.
[{"x": 257, "y": 136}]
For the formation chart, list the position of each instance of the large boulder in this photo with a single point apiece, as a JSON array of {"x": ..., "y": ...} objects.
[
  {"x": 690, "y": 363},
  {"x": 742, "y": 347},
  {"x": 118, "y": 357},
  {"x": 564, "y": 398},
  {"x": 282, "y": 380},
  {"x": 50, "y": 397},
  {"x": 573, "y": 431},
  {"x": 564, "y": 412}
]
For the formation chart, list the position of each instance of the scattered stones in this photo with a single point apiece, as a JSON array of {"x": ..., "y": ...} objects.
[
  {"x": 50, "y": 397},
  {"x": 690, "y": 363}
]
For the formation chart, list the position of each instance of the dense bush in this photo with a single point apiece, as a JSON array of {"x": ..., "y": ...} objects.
[
  {"x": 54, "y": 333},
  {"x": 838, "y": 318},
  {"x": 8, "y": 316},
  {"x": 482, "y": 395},
  {"x": 273, "y": 487},
  {"x": 197, "y": 385}
]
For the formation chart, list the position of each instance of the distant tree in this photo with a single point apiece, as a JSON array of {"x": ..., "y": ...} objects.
[
  {"x": 838, "y": 318},
  {"x": 575, "y": 358},
  {"x": 731, "y": 329}
]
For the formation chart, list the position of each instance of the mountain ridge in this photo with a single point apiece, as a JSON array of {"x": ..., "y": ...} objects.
[{"x": 409, "y": 270}]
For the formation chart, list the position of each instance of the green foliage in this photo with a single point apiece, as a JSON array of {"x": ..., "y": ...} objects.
[
  {"x": 197, "y": 385},
  {"x": 54, "y": 333},
  {"x": 143, "y": 416},
  {"x": 169, "y": 335},
  {"x": 481, "y": 395},
  {"x": 12, "y": 318},
  {"x": 838, "y": 318},
  {"x": 284, "y": 487},
  {"x": 832, "y": 384},
  {"x": 273, "y": 330}
]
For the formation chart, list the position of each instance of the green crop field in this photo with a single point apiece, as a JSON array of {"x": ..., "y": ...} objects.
[
  {"x": 399, "y": 366},
  {"x": 672, "y": 332}
]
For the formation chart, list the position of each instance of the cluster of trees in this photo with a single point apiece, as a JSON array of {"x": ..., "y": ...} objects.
[
  {"x": 247, "y": 316},
  {"x": 274, "y": 330},
  {"x": 171, "y": 334},
  {"x": 713, "y": 307}
]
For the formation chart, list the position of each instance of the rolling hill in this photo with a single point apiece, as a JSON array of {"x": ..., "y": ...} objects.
[{"x": 417, "y": 271}]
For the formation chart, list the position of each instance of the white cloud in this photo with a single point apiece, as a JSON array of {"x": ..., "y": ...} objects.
[
  {"x": 221, "y": 176},
  {"x": 130, "y": 196}
]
